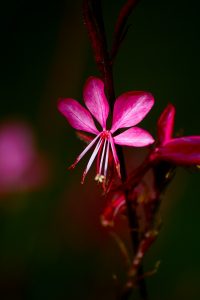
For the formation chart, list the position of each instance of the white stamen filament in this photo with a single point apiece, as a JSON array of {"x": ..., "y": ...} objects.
[
  {"x": 106, "y": 159},
  {"x": 102, "y": 157},
  {"x": 94, "y": 154},
  {"x": 84, "y": 151}
]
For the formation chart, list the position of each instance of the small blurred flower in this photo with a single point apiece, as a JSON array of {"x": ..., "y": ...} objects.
[
  {"x": 130, "y": 108},
  {"x": 179, "y": 151},
  {"x": 114, "y": 207},
  {"x": 141, "y": 198},
  {"x": 21, "y": 166}
]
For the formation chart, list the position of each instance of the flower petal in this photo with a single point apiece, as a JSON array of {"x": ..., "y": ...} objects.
[
  {"x": 130, "y": 108},
  {"x": 134, "y": 136},
  {"x": 95, "y": 99},
  {"x": 166, "y": 124},
  {"x": 181, "y": 151},
  {"x": 77, "y": 116}
]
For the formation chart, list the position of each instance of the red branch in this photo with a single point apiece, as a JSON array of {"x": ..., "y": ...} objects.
[
  {"x": 92, "y": 14},
  {"x": 144, "y": 246}
]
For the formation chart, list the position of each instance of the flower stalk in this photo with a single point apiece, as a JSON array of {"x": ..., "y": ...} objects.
[
  {"x": 95, "y": 26},
  {"x": 93, "y": 19}
]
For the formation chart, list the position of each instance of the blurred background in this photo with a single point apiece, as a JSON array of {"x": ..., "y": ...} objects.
[{"x": 52, "y": 245}]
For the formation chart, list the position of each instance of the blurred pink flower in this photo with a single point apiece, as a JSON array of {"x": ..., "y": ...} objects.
[
  {"x": 21, "y": 166},
  {"x": 180, "y": 151},
  {"x": 130, "y": 108},
  {"x": 116, "y": 205}
]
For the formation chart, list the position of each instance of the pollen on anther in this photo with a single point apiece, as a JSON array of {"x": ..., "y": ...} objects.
[{"x": 100, "y": 178}]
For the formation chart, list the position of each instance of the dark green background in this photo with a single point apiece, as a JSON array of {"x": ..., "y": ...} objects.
[{"x": 51, "y": 243}]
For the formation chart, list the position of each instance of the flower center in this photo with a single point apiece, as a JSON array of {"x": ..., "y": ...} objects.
[
  {"x": 103, "y": 156},
  {"x": 105, "y": 134}
]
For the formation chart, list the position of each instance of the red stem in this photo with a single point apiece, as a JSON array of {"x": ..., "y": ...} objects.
[{"x": 93, "y": 19}]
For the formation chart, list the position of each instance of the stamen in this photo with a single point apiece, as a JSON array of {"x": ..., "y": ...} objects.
[
  {"x": 114, "y": 152},
  {"x": 98, "y": 159},
  {"x": 94, "y": 154},
  {"x": 100, "y": 178},
  {"x": 106, "y": 159},
  {"x": 84, "y": 152},
  {"x": 102, "y": 157}
]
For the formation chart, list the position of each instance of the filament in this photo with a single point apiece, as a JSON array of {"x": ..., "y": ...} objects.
[
  {"x": 94, "y": 154},
  {"x": 84, "y": 152},
  {"x": 114, "y": 152},
  {"x": 106, "y": 159},
  {"x": 102, "y": 156}
]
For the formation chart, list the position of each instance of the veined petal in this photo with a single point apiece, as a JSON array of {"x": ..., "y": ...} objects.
[
  {"x": 166, "y": 124},
  {"x": 134, "y": 136},
  {"x": 181, "y": 151},
  {"x": 130, "y": 108},
  {"x": 95, "y": 99},
  {"x": 77, "y": 116}
]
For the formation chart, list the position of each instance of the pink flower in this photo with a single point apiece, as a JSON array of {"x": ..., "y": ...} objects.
[
  {"x": 130, "y": 108},
  {"x": 180, "y": 151},
  {"x": 22, "y": 166}
]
